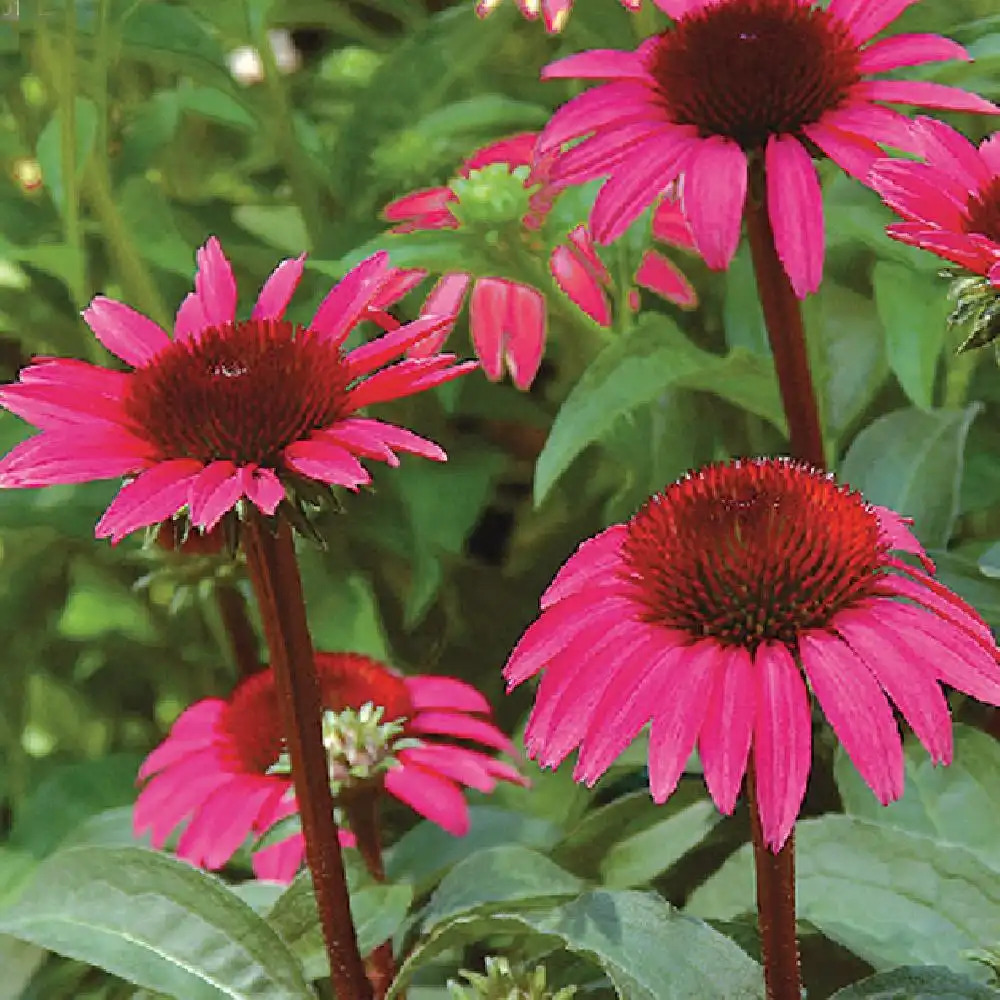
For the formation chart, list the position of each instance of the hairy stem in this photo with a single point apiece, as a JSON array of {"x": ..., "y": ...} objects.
[
  {"x": 785, "y": 331},
  {"x": 274, "y": 574}
]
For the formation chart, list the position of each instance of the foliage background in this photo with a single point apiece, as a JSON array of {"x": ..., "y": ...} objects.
[{"x": 125, "y": 141}]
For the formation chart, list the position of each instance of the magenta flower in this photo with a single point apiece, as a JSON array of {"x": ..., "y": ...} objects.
[
  {"x": 951, "y": 202},
  {"x": 226, "y": 409},
  {"x": 736, "y": 81},
  {"x": 554, "y": 13},
  {"x": 508, "y": 318},
  {"x": 212, "y": 767},
  {"x": 716, "y": 609}
]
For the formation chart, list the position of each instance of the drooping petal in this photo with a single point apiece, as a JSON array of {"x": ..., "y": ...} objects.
[
  {"x": 74, "y": 455},
  {"x": 487, "y": 315},
  {"x": 465, "y": 727},
  {"x": 153, "y": 496},
  {"x": 278, "y": 289},
  {"x": 857, "y": 710},
  {"x": 326, "y": 462},
  {"x": 223, "y": 822},
  {"x": 853, "y": 153},
  {"x": 926, "y": 94},
  {"x": 596, "y": 109},
  {"x": 678, "y": 715},
  {"x": 214, "y": 492},
  {"x": 781, "y": 743},
  {"x": 429, "y": 691},
  {"x": 125, "y": 333},
  {"x": 597, "y": 64},
  {"x": 280, "y": 862},
  {"x": 595, "y": 559},
  {"x": 715, "y": 187},
  {"x": 579, "y": 284},
  {"x": 525, "y": 329},
  {"x": 908, "y": 50},
  {"x": 375, "y": 439},
  {"x": 432, "y": 796},
  {"x": 952, "y": 152},
  {"x": 795, "y": 207},
  {"x": 445, "y": 299},
  {"x": 728, "y": 727},
  {"x": 906, "y": 678},
  {"x": 662, "y": 276}
]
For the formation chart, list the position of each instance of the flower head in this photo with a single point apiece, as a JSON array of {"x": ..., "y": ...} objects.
[
  {"x": 216, "y": 767},
  {"x": 709, "y": 612},
  {"x": 951, "y": 201},
  {"x": 554, "y": 13},
  {"x": 226, "y": 409},
  {"x": 501, "y": 185},
  {"x": 740, "y": 81}
]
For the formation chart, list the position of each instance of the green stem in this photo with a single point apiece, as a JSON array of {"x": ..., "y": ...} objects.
[
  {"x": 775, "y": 874},
  {"x": 958, "y": 377},
  {"x": 286, "y": 143},
  {"x": 785, "y": 331},
  {"x": 274, "y": 573}
]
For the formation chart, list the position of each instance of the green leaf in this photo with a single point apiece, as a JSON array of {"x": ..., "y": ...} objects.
[
  {"x": 489, "y": 114},
  {"x": 378, "y": 909},
  {"x": 150, "y": 221},
  {"x": 917, "y": 982},
  {"x": 958, "y": 804},
  {"x": 423, "y": 853},
  {"x": 742, "y": 316},
  {"x": 642, "y": 856},
  {"x": 19, "y": 961},
  {"x": 891, "y": 897},
  {"x": 853, "y": 363},
  {"x": 648, "y": 949},
  {"x": 634, "y": 371},
  {"x": 279, "y": 226},
  {"x": 495, "y": 877},
  {"x": 911, "y": 461},
  {"x": 156, "y": 922},
  {"x": 49, "y": 147},
  {"x": 914, "y": 314}
]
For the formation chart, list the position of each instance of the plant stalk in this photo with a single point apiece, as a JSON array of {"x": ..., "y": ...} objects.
[
  {"x": 274, "y": 574},
  {"x": 775, "y": 874},
  {"x": 235, "y": 618},
  {"x": 783, "y": 319}
]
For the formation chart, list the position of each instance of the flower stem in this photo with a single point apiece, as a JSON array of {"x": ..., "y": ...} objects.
[
  {"x": 361, "y": 806},
  {"x": 775, "y": 906},
  {"x": 785, "y": 331},
  {"x": 274, "y": 574},
  {"x": 236, "y": 621}
]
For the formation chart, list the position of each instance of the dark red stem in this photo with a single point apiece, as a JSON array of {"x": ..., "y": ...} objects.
[
  {"x": 775, "y": 906},
  {"x": 274, "y": 574},
  {"x": 783, "y": 319},
  {"x": 236, "y": 621},
  {"x": 361, "y": 806}
]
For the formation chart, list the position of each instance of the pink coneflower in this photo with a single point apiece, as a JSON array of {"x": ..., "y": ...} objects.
[
  {"x": 554, "y": 13},
  {"x": 227, "y": 409},
  {"x": 951, "y": 202},
  {"x": 213, "y": 767},
  {"x": 508, "y": 318},
  {"x": 710, "y": 611},
  {"x": 734, "y": 82}
]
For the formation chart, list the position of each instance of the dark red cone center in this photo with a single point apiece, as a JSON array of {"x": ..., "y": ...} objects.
[
  {"x": 243, "y": 392},
  {"x": 348, "y": 680},
  {"x": 749, "y": 69},
  {"x": 753, "y": 550},
  {"x": 983, "y": 211}
]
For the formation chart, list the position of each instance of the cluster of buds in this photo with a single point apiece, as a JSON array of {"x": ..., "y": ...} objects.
[
  {"x": 977, "y": 305},
  {"x": 501, "y": 983}
]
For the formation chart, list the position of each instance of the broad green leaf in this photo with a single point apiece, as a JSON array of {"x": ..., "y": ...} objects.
[
  {"x": 378, "y": 911},
  {"x": 917, "y": 982},
  {"x": 850, "y": 343},
  {"x": 914, "y": 314},
  {"x": 647, "y": 853},
  {"x": 49, "y": 147},
  {"x": 636, "y": 370},
  {"x": 911, "y": 461},
  {"x": 19, "y": 961},
  {"x": 279, "y": 226},
  {"x": 484, "y": 114},
  {"x": 423, "y": 853},
  {"x": 150, "y": 221},
  {"x": 156, "y": 922},
  {"x": 742, "y": 316},
  {"x": 648, "y": 950},
  {"x": 960, "y": 572},
  {"x": 958, "y": 804},
  {"x": 497, "y": 878},
  {"x": 891, "y": 897}
]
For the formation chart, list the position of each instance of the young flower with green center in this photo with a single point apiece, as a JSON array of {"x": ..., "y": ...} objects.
[
  {"x": 716, "y": 610},
  {"x": 216, "y": 769},
  {"x": 502, "y": 199},
  {"x": 226, "y": 411},
  {"x": 555, "y": 13}
]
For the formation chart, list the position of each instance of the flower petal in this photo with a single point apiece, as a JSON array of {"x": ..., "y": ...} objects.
[
  {"x": 430, "y": 691},
  {"x": 782, "y": 741},
  {"x": 125, "y": 333},
  {"x": 662, "y": 276},
  {"x": 715, "y": 187},
  {"x": 278, "y": 289},
  {"x": 908, "y": 50},
  {"x": 344, "y": 305},
  {"x": 926, "y": 94},
  {"x": 597, "y": 64},
  {"x": 795, "y": 207},
  {"x": 262, "y": 488},
  {"x": 213, "y": 493},
  {"x": 432, "y": 796},
  {"x": 579, "y": 284},
  {"x": 326, "y": 462},
  {"x": 215, "y": 285},
  {"x": 153, "y": 496}
]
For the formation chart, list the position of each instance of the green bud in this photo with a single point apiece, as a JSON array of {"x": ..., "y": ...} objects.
[
  {"x": 501, "y": 983},
  {"x": 492, "y": 196}
]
